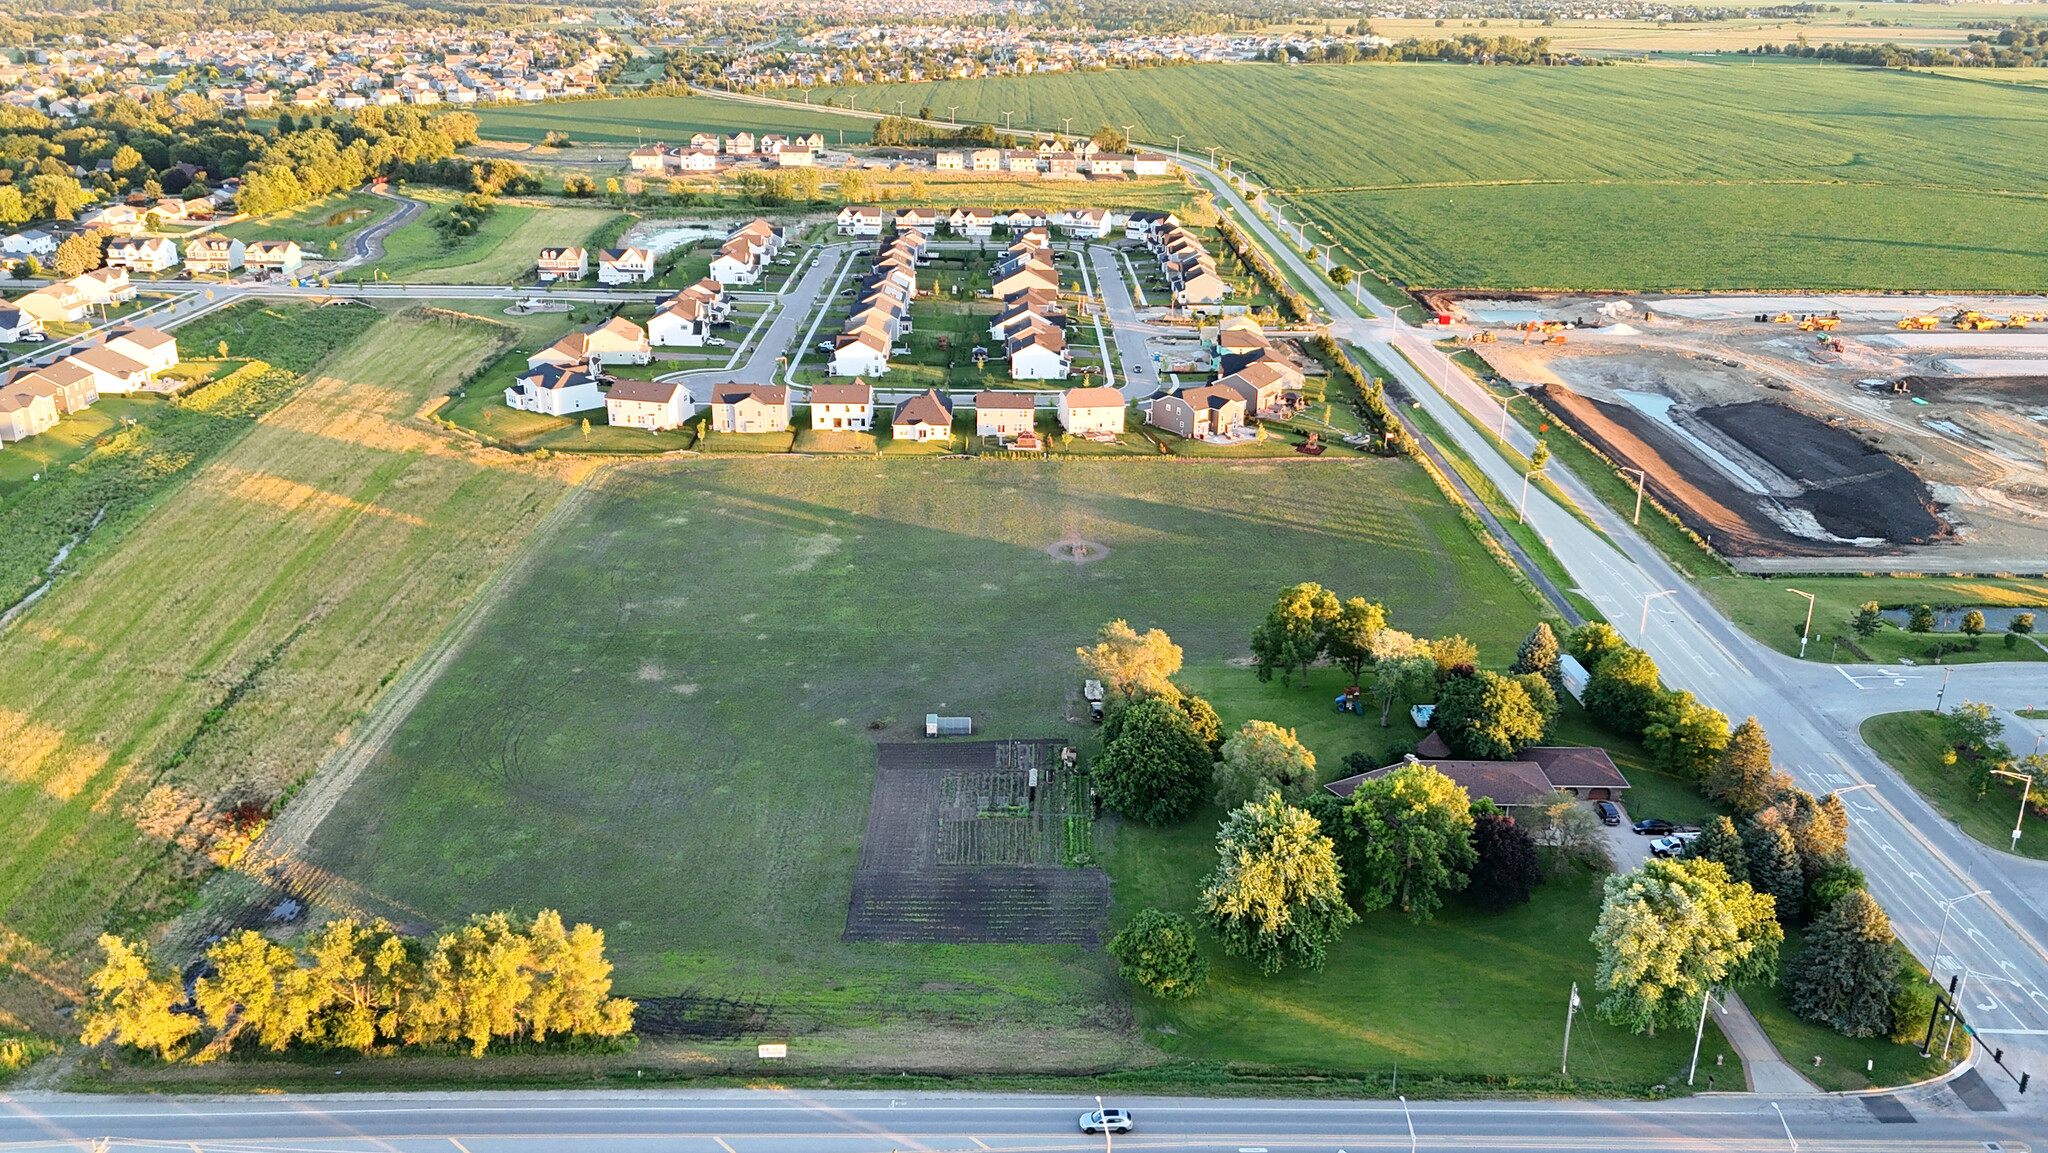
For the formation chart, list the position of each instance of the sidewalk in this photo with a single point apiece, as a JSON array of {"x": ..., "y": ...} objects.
[{"x": 1768, "y": 1072}]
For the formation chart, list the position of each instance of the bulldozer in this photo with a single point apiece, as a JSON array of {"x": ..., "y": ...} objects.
[
  {"x": 1920, "y": 323},
  {"x": 1782, "y": 318},
  {"x": 1820, "y": 324},
  {"x": 2018, "y": 320},
  {"x": 1977, "y": 322}
]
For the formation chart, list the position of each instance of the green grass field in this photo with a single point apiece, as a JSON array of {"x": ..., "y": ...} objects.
[
  {"x": 1912, "y": 744},
  {"x": 728, "y": 632},
  {"x": 1772, "y": 175},
  {"x": 501, "y": 250},
  {"x": 331, "y": 219},
  {"x": 673, "y": 119}
]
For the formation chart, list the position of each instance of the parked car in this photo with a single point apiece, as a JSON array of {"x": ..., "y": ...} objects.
[
  {"x": 1610, "y": 813},
  {"x": 1113, "y": 1120},
  {"x": 1654, "y": 827},
  {"x": 1672, "y": 845}
]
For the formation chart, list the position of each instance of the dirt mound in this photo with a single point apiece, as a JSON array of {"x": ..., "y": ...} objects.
[{"x": 1853, "y": 490}]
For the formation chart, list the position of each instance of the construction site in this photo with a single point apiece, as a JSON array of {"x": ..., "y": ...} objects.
[{"x": 1902, "y": 434}]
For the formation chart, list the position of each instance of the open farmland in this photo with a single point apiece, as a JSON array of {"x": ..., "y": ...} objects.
[
  {"x": 1751, "y": 174},
  {"x": 669, "y": 118},
  {"x": 187, "y": 680},
  {"x": 671, "y": 729}
]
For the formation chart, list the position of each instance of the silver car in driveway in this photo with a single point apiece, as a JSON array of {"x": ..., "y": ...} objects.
[{"x": 1113, "y": 1120}]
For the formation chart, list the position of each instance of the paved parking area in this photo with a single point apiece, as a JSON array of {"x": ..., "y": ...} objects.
[{"x": 1629, "y": 851}]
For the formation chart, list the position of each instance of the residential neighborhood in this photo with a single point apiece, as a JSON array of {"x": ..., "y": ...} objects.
[{"x": 125, "y": 359}]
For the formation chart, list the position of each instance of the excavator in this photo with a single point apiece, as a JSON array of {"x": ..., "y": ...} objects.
[{"x": 1541, "y": 328}]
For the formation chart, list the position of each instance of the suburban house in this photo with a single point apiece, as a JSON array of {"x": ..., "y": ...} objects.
[
  {"x": 616, "y": 341},
  {"x": 555, "y": 390},
  {"x": 25, "y": 412},
  {"x": 213, "y": 254},
  {"x": 1533, "y": 778},
  {"x": 973, "y": 223},
  {"x": 28, "y": 242},
  {"x": 1143, "y": 225},
  {"x": 1260, "y": 386},
  {"x": 69, "y": 385},
  {"x": 15, "y": 323},
  {"x": 698, "y": 160},
  {"x": 850, "y": 407},
  {"x": 1004, "y": 414},
  {"x": 60, "y": 303},
  {"x": 624, "y": 266},
  {"x": 154, "y": 349},
  {"x": 1092, "y": 410},
  {"x": 949, "y": 161},
  {"x": 142, "y": 253},
  {"x": 648, "y": 158},
  {"x": 681, "y": 321},
  {"x": 737, "y": 261},
  {"x": 1107, "y": 164},
  {"x": 861, "y": 353},
  {"x": 1036, "y": 273},
  {"x": 1022, "y": 160},
  {"x": 1150, "y": 164},
  {"x": 986, "y": 160},
  {"x": 924, "y": 417},
  {"x": 740, "y": 144},
  {"x": 793, "y": 158},
  {"x": 860, "y": 220},
  {"x": 1200, "y": 289},
  {"x": 105, "y": 286},
  {"x": 1039, "y": 353},
  {"x": 279, "y": 256},
  {"x": 749, "y": 408},
  {"x": 648, "y": 404},
  {"x": 563, "y": 264},
  {"x": 1203, "y": 412},
  {"x": 113, "y": 372},
  {"x": 923, "y": 220}
]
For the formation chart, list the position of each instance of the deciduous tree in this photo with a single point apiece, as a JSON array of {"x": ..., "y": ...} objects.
[
  {"x": 257, "y": 987},
  {"x": 1623, "y": 689},
  {"x": 1485, "y": 716},
  {"x": 1592, "y": 641},
  {"x": 1263, "y": 758},
  {"x": 1505, "y": 870},
  {"x": 1684, "y": 737},
  {"x": 1401, "y": 679},
  {"x": 1414, "y": 833},
  {"x": 1276, "y": 896},
  {"x": 1295, "y": 631},
  {"x": 1567, "y": 827},
  {"x": 1452, "y": 653},
  {"x": 1158, "y": 953},
  {"x": 1834, "y": 882},
  {"x": 1156, "y": 768},
  {"x": 1671, "y": 930},
  {"x": 1350, "y": 636},
  {"x": 79, "y": 254},
  {"x": 1848, "y": 974},
  {"x": 1131, "y": 665},
  {"x": 134, "y": 1002}
]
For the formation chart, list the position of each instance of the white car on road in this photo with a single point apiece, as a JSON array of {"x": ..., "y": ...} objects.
[{"x": 1113, "y": 1120}]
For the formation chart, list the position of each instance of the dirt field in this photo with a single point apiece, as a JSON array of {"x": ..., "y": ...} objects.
[{"x": 1855, "y": 450}]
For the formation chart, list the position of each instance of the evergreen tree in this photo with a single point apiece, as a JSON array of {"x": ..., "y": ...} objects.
[
  {"x": 1774, "y": 865},
  {"x": 1743, "y": 778},
  {"x": 1834, "y": 883},
  {"x": 1868, "y": 621},
  {"x": 1848, "y": 974},
  {"x": 1157, "y": 767},
  {"x": 1718, "y": 841},
  {"x": 1505, "y": 870},
  {"x": 1539, "y": 655},
  {"x": 1158, "y": 953},
  {"x": 1276, "y": 896}
]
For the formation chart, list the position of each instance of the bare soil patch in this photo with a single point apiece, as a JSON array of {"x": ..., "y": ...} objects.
[
  {"x": 1079, "y": 552},
  {"x": 1852, "y": 489},
  {"x": 961, "y": 848},
  {"x": 2021, "y": 390}
]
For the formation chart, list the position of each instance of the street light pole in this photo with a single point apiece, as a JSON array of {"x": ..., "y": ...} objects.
[
  {"x": 1067, "y": 125},
  {"x": 1564, "y": 1060},
  {"x": 1638, "y": 519},
  {"x": 1411, "y": 1124},
  {"x": 1809, "y": 621},
  {"x": 2025, "y": 793},
  {"x": 1947, "y": 907},
  {"x": 1522, "y": 507},
  {"x": 1943, "y": 694},
  {"x": 1787, "y": 1125},
  {"x": 1176, "y": 145},
  {"x": 953, "y": 114},
  {"x": 1105, "y": 1125},
  {"x": 1699, "y": 1034},
  {"x": 1007, "y": 113},
  {"x": 1643, "y": 625}
]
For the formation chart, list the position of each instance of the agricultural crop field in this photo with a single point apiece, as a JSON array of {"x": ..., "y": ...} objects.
[
  {"x": 244, "y": 621},
  {"x": 673, "y": 119},
  {"x": 1749, "y": 174},
  {"x": 671, "y": 728}
]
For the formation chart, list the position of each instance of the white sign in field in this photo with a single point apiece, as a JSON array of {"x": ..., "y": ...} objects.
[{"x": 774, "y": 1052}]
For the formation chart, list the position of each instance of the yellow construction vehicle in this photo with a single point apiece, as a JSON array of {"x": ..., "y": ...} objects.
[
  {"x": 2017, "y": 320},
  {"x": 1820, "y": 324},
  {"x": 1782, "y": 318},
  {"x": 1541, "y": 328},
  {"x": 1920, "y": 323},
  {"x": 1975, "y": 323},
  {"x": 1479, "y": 338}
]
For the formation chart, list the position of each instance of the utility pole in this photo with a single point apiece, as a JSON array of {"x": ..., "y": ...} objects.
[
  {"x": 1006, "y": 119},
  {"x": 1571, "y": 1007},
  {"x": 1639, "y": 494},
  {"x": 1809, "y": 621},
  {"x": 1066, "y": 126},
  {"x": 1127, "y": 134},
  {"x": 953, "y": 114}
]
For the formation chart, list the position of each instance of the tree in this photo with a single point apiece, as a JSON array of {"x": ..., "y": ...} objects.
[
  {"x": 1848, "y": 974},
  {"x": 1202, "y": 715},
  {"x": 1158, "y": 953},
  {"x": 1276, "y": 896},
  {"x": 1975, "y": 724},
  {"x": 1684, "y": 737},
  {"x": 1570, "y": 830},
  {"x": 1399, "y": 679},
  {"x": 1414, "y": 833},
  {"x": 578, "y": 185},
  {"x": 1340, "y": 275},
  {"x": 257, "y": 987},
  {"x": 1539, "y": 455},
  {"x": 1834, "y": 883},
  {"x": 1129, "y": 665},
  {"x": 1263, "y": 758},
  {"x": 1543, "y": 697},
  {"x": 79, "y": 254},
  {"x": 473, "y": 983},
  {"x": 571, "y": 983},
  {"x": 1921, "y": 620},
  {"x": 1819, "y": 828},
  {"x": 1109, "y": 138},
  {"x": 13, "y": 209},
  {"x": 1774, "y": 865},
  {"x": 1157, "y": 767},
  {"x": 127, "y": 161},
  {"x": 1350, "y": 636},
  {"x": 2021, "y": 623},
  {"x": 1504, "y": 869},
  {"x": 135, "y": 1003},
  {"x": 1622, "y": 690},
  {"x": 1295, "y": 631},
  {"x": 1539, "y": 655},
  {"x": 1594, "y": 640},
  {"x": 1742, "y": 777},
  {"x": 1486, "y": 716},
  {"x": 1720, "y": 843},
  {"x": 1973, "y": 625},
  {"x": 1670, "y": 931},
  {"x": 1868, "y": 621},
  {"x": 1452, "y": 653}
]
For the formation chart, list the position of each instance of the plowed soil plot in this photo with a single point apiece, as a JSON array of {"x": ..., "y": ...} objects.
[
  {"x": 961, "y": 849},
  {"x": 1843, "y": 498}
]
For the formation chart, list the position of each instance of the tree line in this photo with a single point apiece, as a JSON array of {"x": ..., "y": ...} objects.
[{"x": 357, "y": 987}]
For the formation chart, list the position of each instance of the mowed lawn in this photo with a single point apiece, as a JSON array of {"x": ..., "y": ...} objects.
[
  {"x": 335, "y": 540},
  {"x": 503, "y": 247},
  {"x": 1769, "y": 174},
  {"x": 669, "y": 730}
]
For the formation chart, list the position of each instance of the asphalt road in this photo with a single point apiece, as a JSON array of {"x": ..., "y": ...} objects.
[
  {"x": 742, "y": 1121},
  {"x": 1915, "y": 860},
  {"x": 368, "y": 245}
]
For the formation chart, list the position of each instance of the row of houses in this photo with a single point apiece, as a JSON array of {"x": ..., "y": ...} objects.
[
  {"x": 65, "y": 302},
  {"x": 1070, "y": 165},
  {"x": 981, "y": 223},
  {"x": 204, "y": 254},
  {"x": 881, "y": 310},
  {"x": 707, "y": 152},
  {"x": 32, "y": 400},
  {"x": 1031, "y": 328},
  {"x": 745, "y": 253},
  {"x": 1189, "y": 267},
  {"x": 1254, "y": 381},
  {"x": 926, "y": 417},
  {"x": 628, "y": 265},
  {"x": 685, "y": 320}
]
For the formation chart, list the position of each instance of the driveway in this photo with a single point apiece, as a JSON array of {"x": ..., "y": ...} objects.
[{"x": 1628, "y": 850}]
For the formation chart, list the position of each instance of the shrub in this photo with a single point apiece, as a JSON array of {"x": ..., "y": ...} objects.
[{"x": 1158, "y": 953}]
